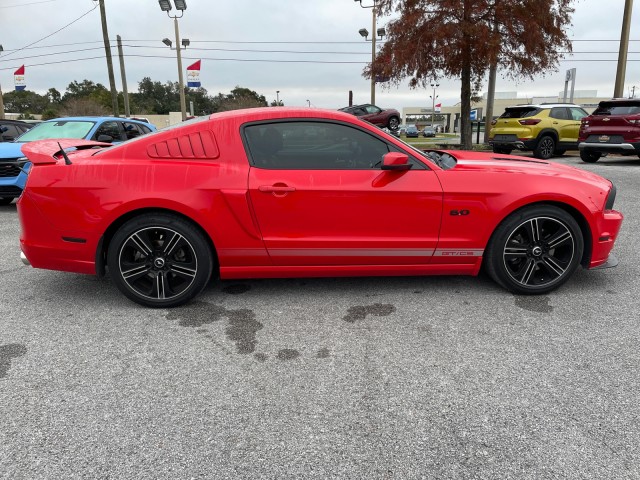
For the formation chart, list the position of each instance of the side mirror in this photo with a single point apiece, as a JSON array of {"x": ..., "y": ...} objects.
[
  {"x": 396, "y": 161},
  {"x": 105, "y": 138}
]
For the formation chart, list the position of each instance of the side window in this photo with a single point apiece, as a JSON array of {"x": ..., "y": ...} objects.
[
  {"x": 577, "y": 113},
  {"x": 111, "y": 129},
  {"x": 132, "y": 130},
  {"x": 373, "y": 109},
  {"x": 560, "y": 113},
  {"x": 9, "y": 132},
  {"x": 313, "y": 146}
]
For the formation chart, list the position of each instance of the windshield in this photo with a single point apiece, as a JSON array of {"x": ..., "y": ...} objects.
[{"x": 57, "y": 129}]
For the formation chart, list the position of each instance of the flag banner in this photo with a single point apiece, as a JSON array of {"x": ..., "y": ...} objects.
[
  {"x": 193, "y": 75},
  {"x": 18, "y": 79},
  {"x": 438, "y": 108}
]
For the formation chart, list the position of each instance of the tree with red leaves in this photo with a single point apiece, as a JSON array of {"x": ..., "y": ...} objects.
[{"x": 432, "y": 39}]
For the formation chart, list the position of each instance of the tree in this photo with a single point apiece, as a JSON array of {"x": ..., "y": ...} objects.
[
  {"x": 461, "y": 38},
  {"x": 25, "y": 102},
  {"x": 239, "y": 97},
  {"x": 88, "y": 90}
]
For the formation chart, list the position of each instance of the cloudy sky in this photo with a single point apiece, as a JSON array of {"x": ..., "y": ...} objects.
[{"x": 306, "y": 50}]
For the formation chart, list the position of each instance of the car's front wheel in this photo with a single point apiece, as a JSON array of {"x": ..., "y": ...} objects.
[
  {"x": 590, "y": 157},
  {"x": 545, "y": 148},
  {"x": 394, "y": 123},
  {"x": 159, "y": 260},
  {"x": 534, "y": 250}
]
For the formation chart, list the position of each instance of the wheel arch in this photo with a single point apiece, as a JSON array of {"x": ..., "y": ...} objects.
[
  {"x": 548, "y": 132},
  {"x": 574, "y": 212},
  {"x": 105, "y": 240}
]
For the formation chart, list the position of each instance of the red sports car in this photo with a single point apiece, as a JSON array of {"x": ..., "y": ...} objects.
[{"x": 286, "y": 192}]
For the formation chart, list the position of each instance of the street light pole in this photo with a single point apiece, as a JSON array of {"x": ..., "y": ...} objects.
[
  {"x": 433, "y": 102},
  {"x": 165, "y": 6},
  {"x": 277, "y": 98},
  {"x": 624, "y": 49},
  {"x": 183, "y": 102},
  {"x": 365, "y": 34}
]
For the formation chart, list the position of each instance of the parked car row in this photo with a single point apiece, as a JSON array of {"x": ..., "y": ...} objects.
[
  {"x": 551, "y": 129},
  {"x": 14, "y": 165}
]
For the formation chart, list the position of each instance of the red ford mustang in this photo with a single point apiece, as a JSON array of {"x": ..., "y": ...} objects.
[{"x": 285, "y": 192}]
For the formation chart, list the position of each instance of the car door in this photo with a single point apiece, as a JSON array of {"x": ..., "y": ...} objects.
[
  {"x": 320, "y": 197},
  {"x": 567, "y": 127},
  {"x": 375, "y": 115}
]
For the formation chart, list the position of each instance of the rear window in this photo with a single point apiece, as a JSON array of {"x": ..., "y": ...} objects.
[
  {"x": 618, "y": 108},
  {"x": 520, "y": 112}
]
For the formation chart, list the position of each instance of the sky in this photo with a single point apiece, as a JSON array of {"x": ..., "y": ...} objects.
[{"x": 307, "y": 50}]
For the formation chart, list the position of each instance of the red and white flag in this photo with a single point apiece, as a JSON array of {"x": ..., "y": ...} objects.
[{"x": 18, "y": 78}]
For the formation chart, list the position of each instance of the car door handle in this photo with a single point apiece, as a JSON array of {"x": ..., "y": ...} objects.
[{"x": 276, "y": 188}]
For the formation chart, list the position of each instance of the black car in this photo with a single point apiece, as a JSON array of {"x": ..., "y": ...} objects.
[
  {"x": 10, "y": 129},
  {"x": 412, "y": 131}
]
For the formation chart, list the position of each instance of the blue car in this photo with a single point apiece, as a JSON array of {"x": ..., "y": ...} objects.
[{"x": 14, "y": 165}]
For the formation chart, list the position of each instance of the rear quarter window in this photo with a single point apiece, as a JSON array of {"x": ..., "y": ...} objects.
[{"x": 520, "y": 112}]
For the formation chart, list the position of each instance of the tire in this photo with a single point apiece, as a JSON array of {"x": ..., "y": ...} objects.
[
  {"x": 502, "y": 150},
  {"x": 393, "y": 124},
  {"x": 534, "y": 250},
  {"x": 159, "y": 260},
  {"x": 545, "y": 147},
  {"x": 5, "y": 201},
  {"x": 590, "y": 157}
]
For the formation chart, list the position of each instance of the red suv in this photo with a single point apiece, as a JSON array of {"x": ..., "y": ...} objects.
[{"x": 614, "y": 127}]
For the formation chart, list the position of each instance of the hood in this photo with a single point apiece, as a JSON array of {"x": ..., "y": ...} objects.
[
  {"x": 497, "y": 163},
  {"x": 10, "y": 150}
]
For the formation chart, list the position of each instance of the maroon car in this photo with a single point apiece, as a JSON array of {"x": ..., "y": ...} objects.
[
  {"x": 614, "y": 127},
  {"x": 381, "y": 117}
]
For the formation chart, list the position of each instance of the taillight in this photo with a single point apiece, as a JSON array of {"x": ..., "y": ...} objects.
[
  {"x": 530, "y": 121},
  {"x": 494, "y": 121}
]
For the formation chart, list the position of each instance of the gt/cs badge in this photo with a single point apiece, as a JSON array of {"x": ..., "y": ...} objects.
[{"x": 459, "y": 212}]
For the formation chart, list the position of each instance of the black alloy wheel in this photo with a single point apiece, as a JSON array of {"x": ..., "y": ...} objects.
[
  {"x": 159, "y": 260},
  {"x": 545, "y": 148},
  {"x": 535, "y": 250},
  {"x": 394, "y": 123}
]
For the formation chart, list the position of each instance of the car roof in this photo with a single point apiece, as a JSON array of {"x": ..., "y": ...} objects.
[
  {"x": 544, "y": 105},
  {"x": 275, "y": 113},
  {"x": 94, "y": 119}
]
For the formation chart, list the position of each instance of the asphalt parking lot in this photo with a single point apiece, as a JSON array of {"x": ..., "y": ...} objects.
[{"x": 438, "y": 377}]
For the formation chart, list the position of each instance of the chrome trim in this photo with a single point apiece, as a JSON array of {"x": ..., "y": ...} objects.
[{"x": 24, "y": 259}]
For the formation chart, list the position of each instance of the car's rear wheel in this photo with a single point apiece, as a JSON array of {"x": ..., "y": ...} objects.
[
  {"x": 159, "y": 260},
  {"x": 394, "y": 123},
  {"x": 534, "y": 250},
  {"x": 545, "y": 148},
  {"x": 501, "y": 149},
  {"x": 590, "y": 157},
  {"x": 5, "y": 200}
]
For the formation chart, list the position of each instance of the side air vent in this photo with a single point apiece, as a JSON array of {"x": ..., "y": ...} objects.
[{"x": 198, "y": 145}]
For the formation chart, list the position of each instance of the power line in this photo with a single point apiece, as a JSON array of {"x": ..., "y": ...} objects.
[
  {"x": 51, "y": 34},
  {"x": 25, "y": 4}
]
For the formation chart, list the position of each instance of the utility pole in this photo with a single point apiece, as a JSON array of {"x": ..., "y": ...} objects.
[
  {"x": 624, "y": 48},
  {"x": 1, "y": 100},
  {"x": 123, "y": 74},
  {"x": 107, "y": 51}
]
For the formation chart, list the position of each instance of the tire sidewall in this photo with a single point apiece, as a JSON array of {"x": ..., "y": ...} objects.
[
  {"x": 495, "y": 249},
  {"x": 183, "y": 227}
]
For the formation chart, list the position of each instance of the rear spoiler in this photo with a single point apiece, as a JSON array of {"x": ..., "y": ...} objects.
[{"x": 42, "y": 152}]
